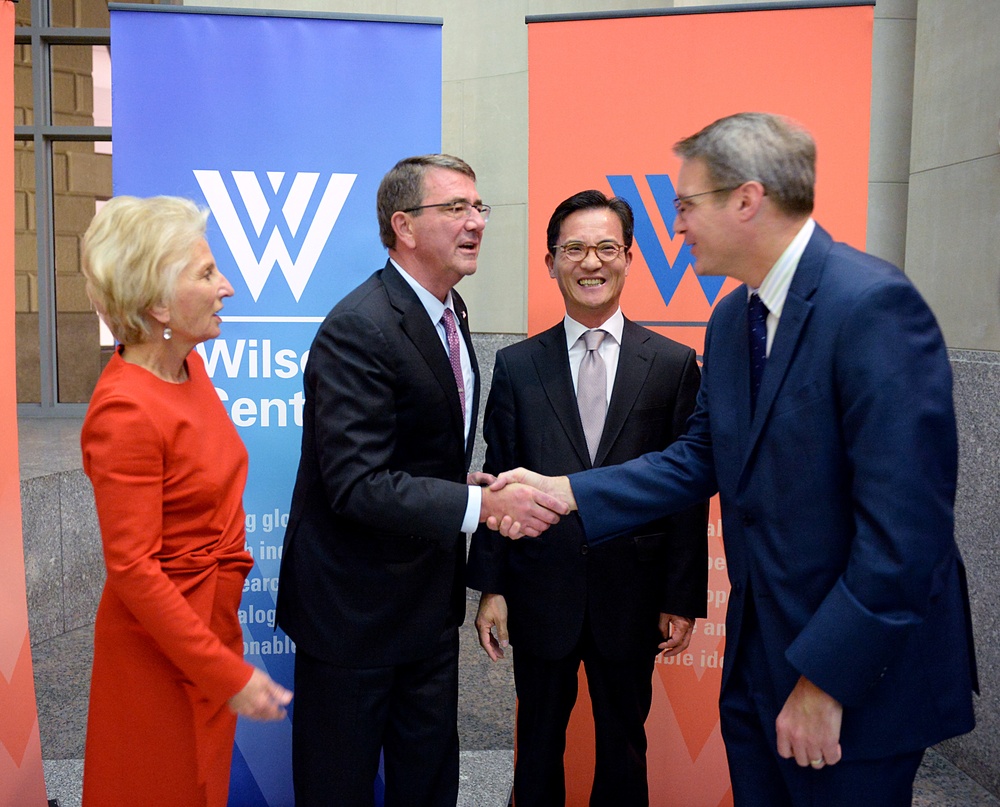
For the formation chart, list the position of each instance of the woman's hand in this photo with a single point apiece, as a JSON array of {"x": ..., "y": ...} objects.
[{"x": 261, "y": 698}]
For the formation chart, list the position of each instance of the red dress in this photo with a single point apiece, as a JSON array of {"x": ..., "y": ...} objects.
[{"x": 168, "y": 471}]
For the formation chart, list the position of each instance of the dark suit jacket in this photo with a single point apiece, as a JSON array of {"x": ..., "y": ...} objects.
[
  {"x": 553, "y": 582},
  {"x": 837, "y": 499},
  {"x": 373, "y": 567}
]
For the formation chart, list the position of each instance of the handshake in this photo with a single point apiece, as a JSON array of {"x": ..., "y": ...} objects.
[{"x": 522, "y": 503}]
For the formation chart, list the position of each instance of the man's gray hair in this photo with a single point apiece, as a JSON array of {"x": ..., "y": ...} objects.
[{"x": 754, "y": 146}]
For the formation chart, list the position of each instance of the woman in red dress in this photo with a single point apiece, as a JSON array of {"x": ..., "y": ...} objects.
[{"x": 168, "y": 471}]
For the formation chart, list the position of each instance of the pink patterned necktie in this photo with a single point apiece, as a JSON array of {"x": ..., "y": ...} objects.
[
  {"x": 592, "y": 390},
  {"x": 454, "y": 354}
]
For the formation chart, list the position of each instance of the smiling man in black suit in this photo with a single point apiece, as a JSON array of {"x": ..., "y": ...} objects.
[
  {"x": 372, "y": 586},
  {"x": 559, "y": 405}
]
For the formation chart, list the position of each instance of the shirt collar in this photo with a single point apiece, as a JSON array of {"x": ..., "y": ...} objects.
[
  {"x": 614, "y": 325},
  {"x": 774, "y": 289},
  {"x": 434, "y": 307}
]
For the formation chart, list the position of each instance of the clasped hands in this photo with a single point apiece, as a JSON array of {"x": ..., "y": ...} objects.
[{"x": 521, "y": 503}]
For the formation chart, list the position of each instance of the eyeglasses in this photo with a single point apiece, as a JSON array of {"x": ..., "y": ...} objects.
[
  {"x": 682, "y": 204},
  {"x": 576, "y": 251},
  {"x": 456, "y": 210}
]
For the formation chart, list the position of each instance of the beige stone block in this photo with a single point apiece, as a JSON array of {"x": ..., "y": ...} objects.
[
  {"x": 546, "y": 7},
  {"x": 952, "y": 240},
  {"x": 21, "y": 298},
  {"x": 73, "y": 214},
  {"x": 73, "y": 58},
  {"x": 956, "y": 83},
  {"x": 68, "y": 256},
  {"x": 93, "y": 13},
  {"x": 20, "y": 211},
  {"x": 893, "y": 43},
  {"x": 73, "y": 119},
  {"x": 483, "y": 39},
  {"x": 22, "y": 13},
  {"x": 896, "y": 10},
  {"x": 25, "y": 254},
  {"x": 24, "y": 167},
  {"x": 452, "y": 118},
  {"x": 63, "y": 94},
  {"x": 21, "y": 117},
  {"x": 497, "y": 293},
  {"x": 23, "y": 91},
  {"x": 71, "y": 295},
  {"x": 78, "y": 355},
  {"x": 63, "y": 13},
  {"x": 85, "y": 96},
  {"x": 89, "y": 173},
  {"x": 495, "y": 136},
  {"x": 886, "y": 236},
  {"x": 32, "y": 213},
  {"x": 60, "y": 172}
]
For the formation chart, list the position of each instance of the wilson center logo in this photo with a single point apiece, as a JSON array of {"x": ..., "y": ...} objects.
[
  {"x": 271, "y": 217},
  {"x": 665, "y": 272}
]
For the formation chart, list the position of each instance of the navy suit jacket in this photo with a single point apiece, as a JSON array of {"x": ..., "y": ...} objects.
[
  {"x": 552, "y": 583},
  {"x": 837, "y": 499},
  {"x": 373, "y": 568}
]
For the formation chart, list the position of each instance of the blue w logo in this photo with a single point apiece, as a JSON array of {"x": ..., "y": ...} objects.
[{"x": 666, "y": 275}]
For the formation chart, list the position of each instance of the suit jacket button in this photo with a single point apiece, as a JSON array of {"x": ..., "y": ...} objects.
[{"x": 584, "y": 549}]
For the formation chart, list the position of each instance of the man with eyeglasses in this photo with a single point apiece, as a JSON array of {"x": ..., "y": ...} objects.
[
  {"x": 596, "y": 389},
  {"x": 372, "y": 584},
  {"x": 825, "y": 421}
]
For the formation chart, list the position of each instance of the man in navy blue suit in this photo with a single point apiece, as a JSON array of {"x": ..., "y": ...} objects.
[{"x": 825, "y": 421}]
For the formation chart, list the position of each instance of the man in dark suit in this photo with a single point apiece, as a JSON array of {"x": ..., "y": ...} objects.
[
  {"x": 568, "y": 600},
  {"x": 825, "y": 420},
  {"x": 372, "y": 583}
]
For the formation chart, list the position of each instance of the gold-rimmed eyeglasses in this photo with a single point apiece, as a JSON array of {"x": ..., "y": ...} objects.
[{"x": 576, "y": 251}]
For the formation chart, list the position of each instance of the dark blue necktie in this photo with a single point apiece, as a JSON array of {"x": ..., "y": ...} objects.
[{"x": 757, "y": 334}]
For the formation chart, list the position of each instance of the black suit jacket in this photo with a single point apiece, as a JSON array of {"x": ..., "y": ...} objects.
[
  {"x": 553, "y": 582},
  {"x": 373, "y": 566}
]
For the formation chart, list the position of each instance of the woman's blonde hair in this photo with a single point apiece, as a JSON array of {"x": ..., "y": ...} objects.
[{"x": 133, "y": 252}]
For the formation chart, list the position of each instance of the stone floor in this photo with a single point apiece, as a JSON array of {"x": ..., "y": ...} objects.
[
  {"x": 486, "y": 719},
  {"x": 486, "y": 690}
]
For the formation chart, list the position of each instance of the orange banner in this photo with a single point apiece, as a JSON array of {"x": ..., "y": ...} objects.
[
  {"x": 607, "y": 100},
  {"x": 21, "y": 779}
]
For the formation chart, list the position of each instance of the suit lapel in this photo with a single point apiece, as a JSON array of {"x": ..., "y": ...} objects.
[
  {"x": 551, "y": 361},
  {"x": 463, "y": 325},
  {"x": 634, "y": 362},
  {"x": 422, "y": 332}
]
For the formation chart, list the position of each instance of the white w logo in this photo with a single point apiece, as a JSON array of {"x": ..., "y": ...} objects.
[{"x": 255, "y": 272}]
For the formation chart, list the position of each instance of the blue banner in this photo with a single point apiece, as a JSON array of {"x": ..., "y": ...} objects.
[{"x": 284, "y": 127}]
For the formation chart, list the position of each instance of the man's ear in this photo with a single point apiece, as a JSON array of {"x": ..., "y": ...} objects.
[
  {"x": 550, "y": 264},
  {"x": 402, "y": 225},
  {"x": 750, "y": 198}
]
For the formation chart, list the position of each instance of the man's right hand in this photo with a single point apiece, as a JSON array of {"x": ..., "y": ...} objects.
[
  {"x": 554, "y": 487},
  {"x": 492, "y": 614},
  {"x": 532, "y": 511}
]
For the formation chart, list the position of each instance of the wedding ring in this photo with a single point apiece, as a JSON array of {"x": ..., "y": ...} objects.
[{"x": 817, "y": 763}]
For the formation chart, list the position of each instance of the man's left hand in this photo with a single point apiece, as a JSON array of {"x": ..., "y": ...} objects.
[
  {"x": 809, "y": 726},
  {"x": 676, "y": 632}
]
